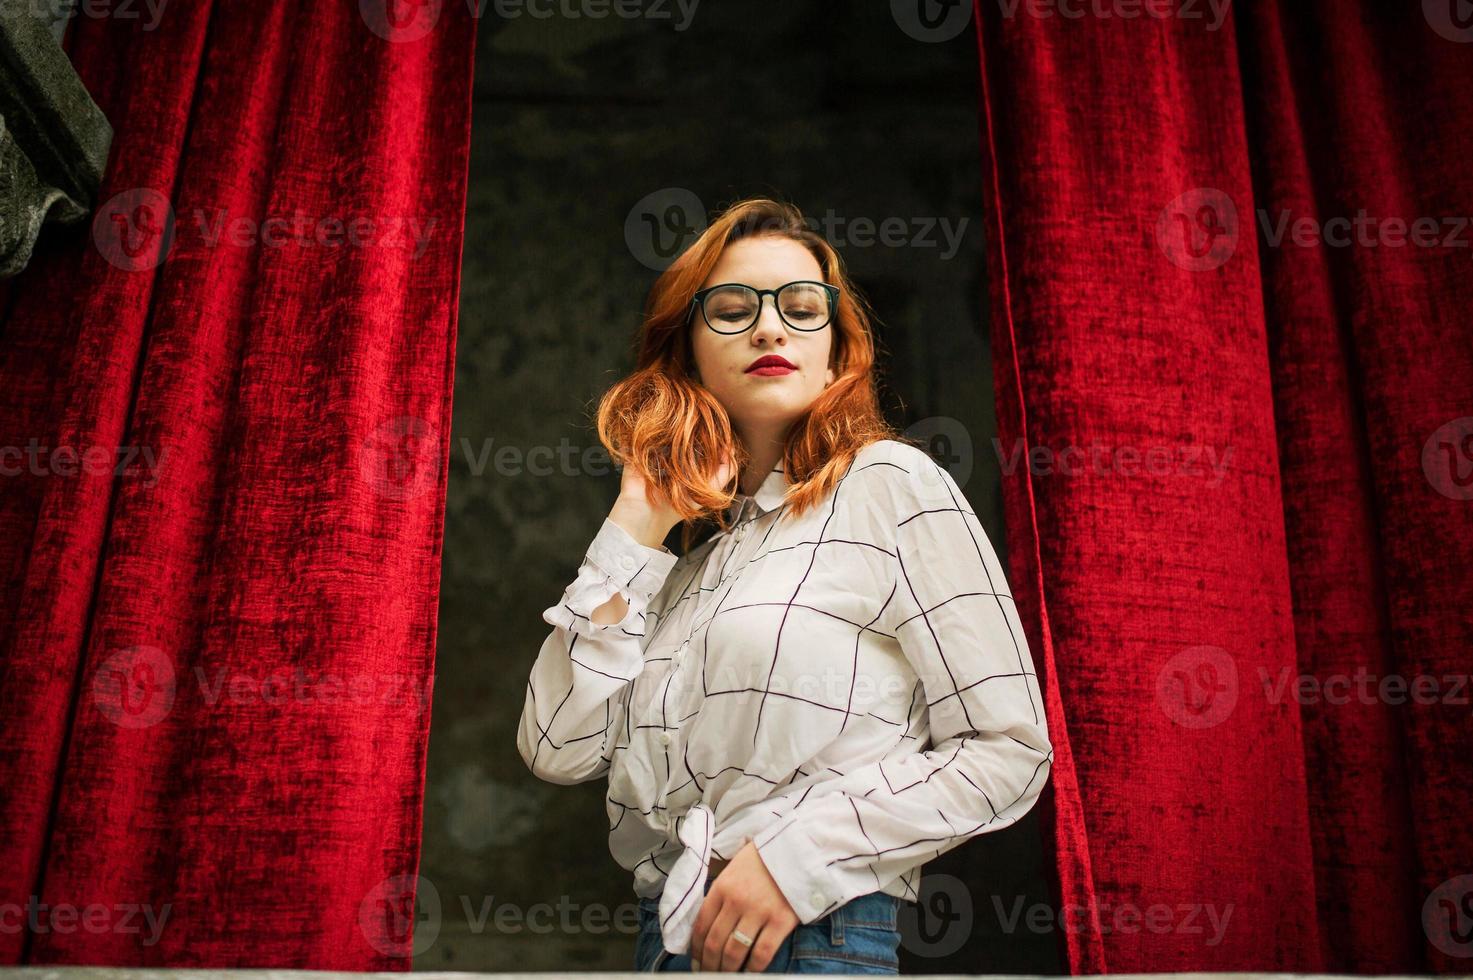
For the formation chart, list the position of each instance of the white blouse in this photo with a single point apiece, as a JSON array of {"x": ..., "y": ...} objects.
[{"x": 851, "y": 690}]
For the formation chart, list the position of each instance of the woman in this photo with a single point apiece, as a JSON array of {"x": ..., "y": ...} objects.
[{"x": 831, "y": 690}]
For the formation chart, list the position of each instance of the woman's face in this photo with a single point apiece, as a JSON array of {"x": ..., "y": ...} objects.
[{"x": 763, "y": 405}]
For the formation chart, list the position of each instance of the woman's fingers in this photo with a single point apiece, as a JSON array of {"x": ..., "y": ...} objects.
[
  {"x": 735, "y": 954},
  {"x": 768, "y": 939},
  {"x": 709, "y": 956}
]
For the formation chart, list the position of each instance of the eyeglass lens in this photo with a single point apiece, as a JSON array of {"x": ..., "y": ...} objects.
[{"x": 733, "y": 308}]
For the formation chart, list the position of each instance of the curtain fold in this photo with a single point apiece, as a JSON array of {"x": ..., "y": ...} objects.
[
  {"x": 221, "y": 552},
  {"x": 1246, "y": 483}
]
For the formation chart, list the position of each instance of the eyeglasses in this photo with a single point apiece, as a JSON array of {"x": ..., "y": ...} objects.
[{"x": 733, "y": 307}]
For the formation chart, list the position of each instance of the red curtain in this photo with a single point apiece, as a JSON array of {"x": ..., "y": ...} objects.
[
  {"x": 1245, "y": 470},
  {"x": 226, "y": 442}
]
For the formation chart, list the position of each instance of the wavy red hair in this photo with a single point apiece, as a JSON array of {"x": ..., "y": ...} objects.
[{"x": 673, "y": 429}]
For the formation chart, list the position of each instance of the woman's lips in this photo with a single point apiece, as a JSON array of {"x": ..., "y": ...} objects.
[{"x": 772, "y": 370}]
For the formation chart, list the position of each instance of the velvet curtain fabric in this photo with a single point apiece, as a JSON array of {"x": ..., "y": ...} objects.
[
  {"x": 1234, "y": 359},
  {"x": 225, "y": 419}
]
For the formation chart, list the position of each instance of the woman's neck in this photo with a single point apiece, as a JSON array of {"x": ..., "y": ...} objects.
[{"x": 765, "y": 453}]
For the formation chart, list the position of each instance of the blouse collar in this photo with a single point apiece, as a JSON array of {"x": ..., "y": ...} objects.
[{"x": 768, "y": 496}]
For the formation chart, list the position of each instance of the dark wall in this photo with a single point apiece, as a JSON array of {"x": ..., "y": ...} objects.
[{"x": 589, "y": 132}]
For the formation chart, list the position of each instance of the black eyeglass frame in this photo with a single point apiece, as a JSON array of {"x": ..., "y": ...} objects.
[{"x": 699, "y": 300}]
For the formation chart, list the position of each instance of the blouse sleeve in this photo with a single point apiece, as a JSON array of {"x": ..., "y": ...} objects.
[
  {"x": 578, "y": 690},
  {"x": 957, "y": 626}
]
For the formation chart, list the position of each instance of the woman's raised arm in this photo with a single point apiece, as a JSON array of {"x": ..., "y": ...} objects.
[{"x": 579, "y": 686}]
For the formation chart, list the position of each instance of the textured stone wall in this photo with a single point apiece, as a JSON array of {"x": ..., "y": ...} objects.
[{"x": 579, "y": 119}]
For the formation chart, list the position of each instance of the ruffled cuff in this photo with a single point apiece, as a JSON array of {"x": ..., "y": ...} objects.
[{"x": 615, "y": 563}]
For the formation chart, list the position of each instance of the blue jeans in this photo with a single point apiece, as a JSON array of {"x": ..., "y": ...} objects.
[{"x": 862, "y": 936}]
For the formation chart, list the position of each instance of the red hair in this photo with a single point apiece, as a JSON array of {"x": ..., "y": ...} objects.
[{"x": 673, "y": 429}]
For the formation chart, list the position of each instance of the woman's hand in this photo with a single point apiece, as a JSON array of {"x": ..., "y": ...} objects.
[
  {"x": 744, "y": 896},
  {"x": 645, "y": 512}
]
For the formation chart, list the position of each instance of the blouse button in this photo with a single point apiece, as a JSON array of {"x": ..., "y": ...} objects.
[
  {"x": 819, "y": 899},
  {"x": 664, "y": 738},
  {"x": 627, "y": 561}
]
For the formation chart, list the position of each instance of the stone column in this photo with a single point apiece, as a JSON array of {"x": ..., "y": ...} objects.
[{"x": 54, "y": 140}]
